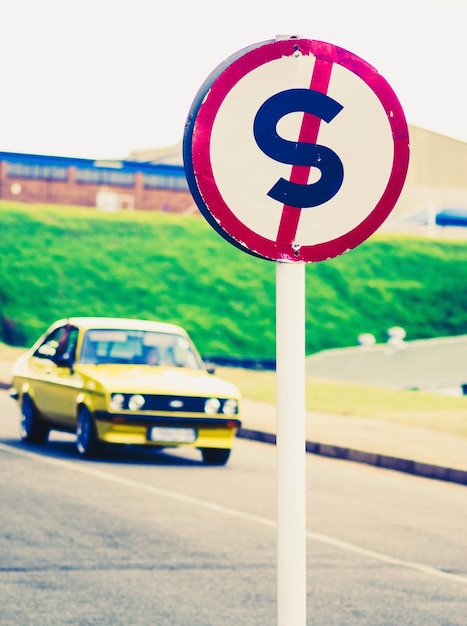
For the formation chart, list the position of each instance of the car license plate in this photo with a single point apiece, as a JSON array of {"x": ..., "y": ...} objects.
[{"x": 172, "y": 435}]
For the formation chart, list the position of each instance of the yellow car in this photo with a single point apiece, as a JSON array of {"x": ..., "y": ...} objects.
[{"x": 124, "y": 381}]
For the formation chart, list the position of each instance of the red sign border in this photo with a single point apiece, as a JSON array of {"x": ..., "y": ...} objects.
[{"x": 198, "y": 162}]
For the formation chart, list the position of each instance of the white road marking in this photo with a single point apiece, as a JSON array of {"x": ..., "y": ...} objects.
[{"x": 82, "y": 468}]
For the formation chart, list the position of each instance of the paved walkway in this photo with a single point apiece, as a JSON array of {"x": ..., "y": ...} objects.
[{"x": 420, "y": 451}]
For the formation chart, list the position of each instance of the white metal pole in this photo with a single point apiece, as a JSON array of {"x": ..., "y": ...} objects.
[
  {"x": 431, "y": 220},
  {"x": 291, "y": 483}
]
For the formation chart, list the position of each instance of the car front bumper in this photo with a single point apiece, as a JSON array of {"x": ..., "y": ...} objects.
[{"x": 135, "y": 429}]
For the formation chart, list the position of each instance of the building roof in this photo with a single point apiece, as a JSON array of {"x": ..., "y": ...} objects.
[
  {"x": 125, "y": 165},
  {"x": 167, "y": 154}
]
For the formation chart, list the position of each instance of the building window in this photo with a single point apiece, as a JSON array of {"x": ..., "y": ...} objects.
[
  {"x": 158, "y": 181},
  {"x": 47, "y": 172},
  {"x": 105, "y": 177}
]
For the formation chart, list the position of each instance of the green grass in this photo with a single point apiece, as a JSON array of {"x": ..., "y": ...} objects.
[
  {"x": 408, "y": 408},
  {"x": 56, "y": 263},
  {"x": 63, "y": 261}
]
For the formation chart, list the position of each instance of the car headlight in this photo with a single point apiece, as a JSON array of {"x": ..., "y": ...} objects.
[
  {"x": 212, "y": 405},
  {"x": 117, "y": 401},
  {"x": 230, "y": 407},
  {"x": 136, "y": 402}
]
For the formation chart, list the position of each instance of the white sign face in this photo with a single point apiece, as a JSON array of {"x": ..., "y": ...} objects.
[{"x": 296, "y": 150}]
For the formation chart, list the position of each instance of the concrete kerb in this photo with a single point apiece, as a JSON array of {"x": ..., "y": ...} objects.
[{"x": 384, "y": 461}]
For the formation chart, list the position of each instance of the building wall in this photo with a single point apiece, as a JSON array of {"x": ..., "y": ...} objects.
[
  {"x": 437, "y": 175},
  {"x": 436, "y": 160},
  {"x": 37, "y": 179}
]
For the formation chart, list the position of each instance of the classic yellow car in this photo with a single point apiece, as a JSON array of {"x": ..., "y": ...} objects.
[{"x": 124, "y": 381}]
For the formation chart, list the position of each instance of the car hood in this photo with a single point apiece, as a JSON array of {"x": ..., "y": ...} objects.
[{"x": 153, "y": 379}]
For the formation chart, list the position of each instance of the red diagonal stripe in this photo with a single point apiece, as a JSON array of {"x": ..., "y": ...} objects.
[{"x": 308, "y": 134}]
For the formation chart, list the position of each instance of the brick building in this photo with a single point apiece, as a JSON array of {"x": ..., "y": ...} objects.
[{"x": 109, "y": 185}]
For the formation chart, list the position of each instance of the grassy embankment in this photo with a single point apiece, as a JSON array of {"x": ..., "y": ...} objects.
[{"x": 57, "y": 262}]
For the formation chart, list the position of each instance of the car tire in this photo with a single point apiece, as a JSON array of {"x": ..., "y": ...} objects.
[
  {"x": 32, "y": 428},
  {"x": 87, "y": 443},
  {"x": 215, "y": 456}
]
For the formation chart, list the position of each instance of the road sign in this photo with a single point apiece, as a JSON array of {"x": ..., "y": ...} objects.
[{"x": 295, "y": 150}]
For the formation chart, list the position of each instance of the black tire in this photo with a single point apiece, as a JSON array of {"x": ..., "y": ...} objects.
[
  {"x": 32, "y": 429},
  {"x": 215, "y": 456},
  {"x": 87, "y": 443}
]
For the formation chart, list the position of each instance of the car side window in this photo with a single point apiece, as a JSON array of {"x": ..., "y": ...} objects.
[
  {"x": 67, "y": 344},
  {"x": 61, "y": 343}
]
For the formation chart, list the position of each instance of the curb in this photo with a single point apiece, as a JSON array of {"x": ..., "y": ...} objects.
[{"x": 384, "y": 461}]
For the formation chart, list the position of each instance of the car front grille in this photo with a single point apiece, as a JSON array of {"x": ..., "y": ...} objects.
[
  {"x": 170, "y": 404},
  {"x": 184, "y": 404}
]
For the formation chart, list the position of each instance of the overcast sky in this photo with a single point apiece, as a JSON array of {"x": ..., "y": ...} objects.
[{"x": 99, "y": 78}]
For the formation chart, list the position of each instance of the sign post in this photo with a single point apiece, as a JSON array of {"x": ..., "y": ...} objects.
[
  {"x": 291, "y": 488},
  {"x": 295, "y": 151}
]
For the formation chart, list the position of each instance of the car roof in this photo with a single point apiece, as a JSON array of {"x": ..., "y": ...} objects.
[{"x": 121, "y": 324}]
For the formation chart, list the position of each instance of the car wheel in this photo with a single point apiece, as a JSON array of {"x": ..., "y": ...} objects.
[
  {"x": 87, "y": 443},
  {"x": 215, "y": 456},
  {"x": 32, "y": 428}
]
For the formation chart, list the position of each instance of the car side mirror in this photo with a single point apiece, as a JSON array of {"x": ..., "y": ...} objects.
[{"x": 63, "y": 360}]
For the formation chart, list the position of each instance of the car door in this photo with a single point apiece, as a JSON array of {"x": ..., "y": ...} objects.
[{"x": 56, "y": 384}]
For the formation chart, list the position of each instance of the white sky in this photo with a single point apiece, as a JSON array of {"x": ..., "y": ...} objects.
[{"x": 99, "y": 78}]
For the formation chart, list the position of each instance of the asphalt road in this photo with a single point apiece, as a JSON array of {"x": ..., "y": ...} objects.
[{"x": 159, "y": 539}]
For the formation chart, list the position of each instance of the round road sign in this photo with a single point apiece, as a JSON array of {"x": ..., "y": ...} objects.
[{"x": 295, "y": 150}]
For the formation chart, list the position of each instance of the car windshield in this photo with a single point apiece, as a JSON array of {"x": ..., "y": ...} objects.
[{"x": 138, "y": 347}]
